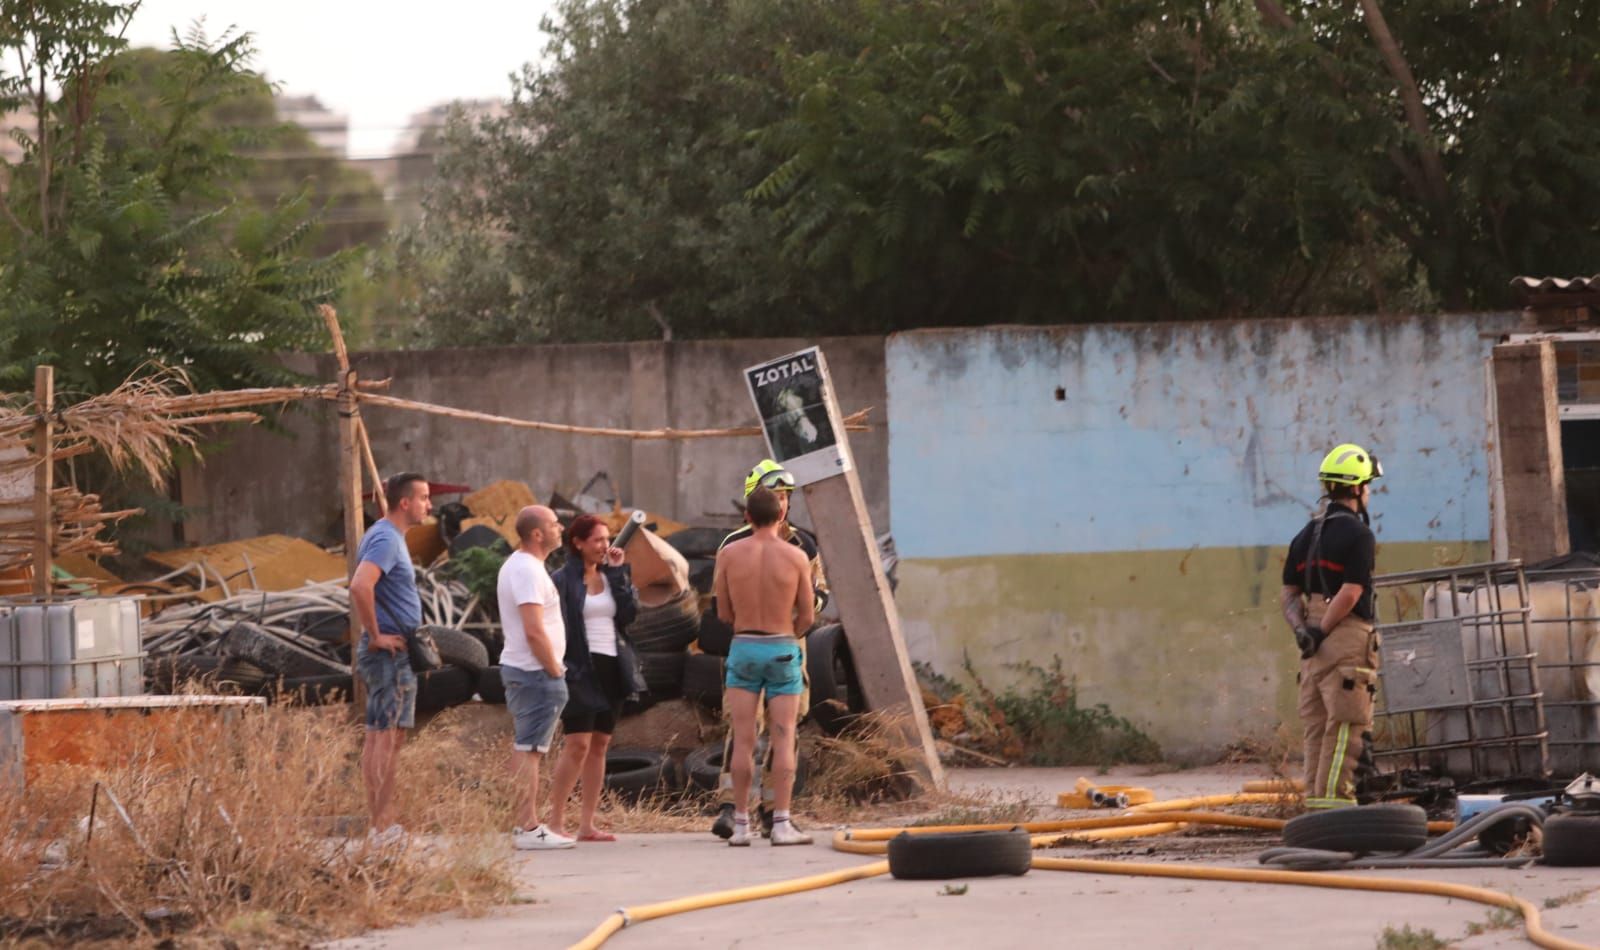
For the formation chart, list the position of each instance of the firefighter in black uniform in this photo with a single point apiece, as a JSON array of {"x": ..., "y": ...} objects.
[{"x": 1328, "y": 603}]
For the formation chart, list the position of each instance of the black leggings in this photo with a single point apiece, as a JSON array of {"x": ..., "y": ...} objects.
[{"x": 608, "y": 675}]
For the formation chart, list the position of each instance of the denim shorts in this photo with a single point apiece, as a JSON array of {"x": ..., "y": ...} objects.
[
  {"x": 391, "y": 688},
  {"x": 535, "y": 699},
  {"x": 769, "y": 663}
]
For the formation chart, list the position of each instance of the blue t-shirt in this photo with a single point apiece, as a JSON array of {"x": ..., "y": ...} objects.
[{"x": 399, "y": 607}]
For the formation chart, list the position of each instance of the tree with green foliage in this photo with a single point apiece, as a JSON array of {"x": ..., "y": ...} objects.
[
  {"x": 124, "y": 236},
  {"x": 980, "y": 160},
  {"x": 609, "y": 201},
  {"x": 738, "y": 168}
]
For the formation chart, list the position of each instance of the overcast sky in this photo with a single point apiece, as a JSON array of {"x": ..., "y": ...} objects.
[{"x": 375, "y": 62}]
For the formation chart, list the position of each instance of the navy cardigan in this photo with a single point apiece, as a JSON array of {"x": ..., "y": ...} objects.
[{"x": 584, "y": 692}]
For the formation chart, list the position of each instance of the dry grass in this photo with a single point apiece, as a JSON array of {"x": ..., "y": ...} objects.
[{"x": 226, "y": 836}]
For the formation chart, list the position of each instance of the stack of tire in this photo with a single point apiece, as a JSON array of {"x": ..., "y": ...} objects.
[{"x": 257, "y": 660}]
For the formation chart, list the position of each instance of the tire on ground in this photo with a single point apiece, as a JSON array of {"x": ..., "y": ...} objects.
[
  {"x": 242, "y": 675},
  {"x": 460, "y": 648},
  {"x": 315, "y": 690},
  {"x": 169, "y": 674},
  {"x": 1359, "y": 830},
  {"x": 276, "y": 654},
  {"x": 1572, "y": 840},
  {"x": 715, "y": 636},
  {"x": 663, "y": 673},
  {"x": 943, "y": 855},
  {"x": 696, "y": 542},
  {"x": 702, "y": 574},
  {"x": 444, "y": 687},
  {"x": 835, "y": 690},
  {"x": 669, "y": 627},
  {"x": 702, "y": 680},
  {"x": 635, "y": 773},
  {"x": 703, "y": 767},
  {"x": 491, "y": 688}
]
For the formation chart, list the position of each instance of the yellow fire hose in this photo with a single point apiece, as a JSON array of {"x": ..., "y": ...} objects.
[
  {"x": 1174, "y": 814},
  {"x": 632, "y": 915}
]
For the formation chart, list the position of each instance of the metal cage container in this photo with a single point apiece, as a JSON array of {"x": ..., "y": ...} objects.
[{"x": 1489, "y": 671}]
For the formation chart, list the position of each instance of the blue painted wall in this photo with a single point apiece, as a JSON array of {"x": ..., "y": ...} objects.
[{"x": 1171, "y": 436}]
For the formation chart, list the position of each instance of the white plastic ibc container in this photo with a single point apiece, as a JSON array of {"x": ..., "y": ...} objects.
[{"x": 80, "y": 649}]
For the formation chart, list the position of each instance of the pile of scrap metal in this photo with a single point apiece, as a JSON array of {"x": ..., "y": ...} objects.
[{"x": 270, "y": 616}]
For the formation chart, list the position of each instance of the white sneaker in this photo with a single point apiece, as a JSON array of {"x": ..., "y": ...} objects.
[
  {"x": 784, "y": 832},
  {"x": 741, "y": 837},
  {"x": 540, "y": 839}
]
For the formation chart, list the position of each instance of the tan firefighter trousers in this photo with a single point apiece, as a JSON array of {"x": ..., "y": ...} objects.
[{"x": 1337, "y": 685}]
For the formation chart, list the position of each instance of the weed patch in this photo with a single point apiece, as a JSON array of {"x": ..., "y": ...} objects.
[
  {"x": 223, "y": 834},
  {"x": 1052, "y": 727},
  {"x": 1407, "y": 939}
]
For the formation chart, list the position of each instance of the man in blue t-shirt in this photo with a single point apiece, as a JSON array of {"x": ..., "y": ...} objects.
[{"x": 384, "y": 594}]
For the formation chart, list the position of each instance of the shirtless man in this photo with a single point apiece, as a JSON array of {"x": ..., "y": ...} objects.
[{"x": 763, "y": 587}]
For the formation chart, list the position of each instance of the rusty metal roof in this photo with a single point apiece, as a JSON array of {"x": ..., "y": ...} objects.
[
  {"x": 1570, "y": 296},
  {"x": 1556, "y": 285}
]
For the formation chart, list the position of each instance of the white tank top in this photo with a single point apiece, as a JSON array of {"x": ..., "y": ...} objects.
[{"x": 600, "y": 620}]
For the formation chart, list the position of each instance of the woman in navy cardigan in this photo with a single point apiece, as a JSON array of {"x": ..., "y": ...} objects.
[{"x": 597, "y": 604}]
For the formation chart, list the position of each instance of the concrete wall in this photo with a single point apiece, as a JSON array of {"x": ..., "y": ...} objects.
[
  {"x": 260, "y": 481},
  {"x": 1121, "y": 495}
]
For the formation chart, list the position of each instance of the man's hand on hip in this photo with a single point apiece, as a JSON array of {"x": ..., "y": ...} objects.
[{"x": 391, "y": 642}]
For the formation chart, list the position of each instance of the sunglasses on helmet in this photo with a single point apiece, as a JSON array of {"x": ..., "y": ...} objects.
[{"x": 778, "y": 481}]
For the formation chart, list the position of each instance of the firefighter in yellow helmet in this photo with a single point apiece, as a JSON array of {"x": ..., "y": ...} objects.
[{"x": 1328, "y": 603}]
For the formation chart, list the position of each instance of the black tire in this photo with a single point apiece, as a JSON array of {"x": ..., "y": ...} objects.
[
  {"x": 491, "y": 688},
  {"x": 663, "y": 673},
  {"x": 316, "y": 690},
  {"x": 493, "y": 640},
  {"x": 835, "y": 691},
  {"x": 942, "y": 856},
  {"x": 703, "y": 767},
  {"x": 239, "y": 674},
  {"x": 702, "y": 574},
  {"x": 477, "y": 536},
  {"x": 695, "y": 543},
  {"x": 636, "y": 773},
  {"x": 1572, "y": 841},
  {"x": 702, "y": 680},
  {"x": 328, "y": 626},
  {"x": 716, "y": 637},
  {"x": 169, "y": 674},
  {"x": 450, "y": 515},
  {"x": 460, "y": 648},
  {"x": 1359, "y": 830},
  {"x": 444, "y": 687},
  {"x": 668, "y": 628},
  {"x": 276, "y": 654}
]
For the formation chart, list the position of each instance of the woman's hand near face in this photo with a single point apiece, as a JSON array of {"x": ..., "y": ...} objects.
[{"x": 614, "y": 557}]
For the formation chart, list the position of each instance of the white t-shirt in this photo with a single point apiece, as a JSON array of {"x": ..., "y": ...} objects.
[
  {"x": 523, "y": 580},
  {"x": 600, "y": 619}
]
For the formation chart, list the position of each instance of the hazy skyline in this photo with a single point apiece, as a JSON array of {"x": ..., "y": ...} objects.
[{"x": 377, "y": 63}]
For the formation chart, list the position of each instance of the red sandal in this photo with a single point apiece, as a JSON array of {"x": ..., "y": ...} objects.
[{"x": 598, "y": 836}]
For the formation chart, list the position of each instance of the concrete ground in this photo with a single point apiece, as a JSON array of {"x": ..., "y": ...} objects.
[{"x": 567, "y": 893}]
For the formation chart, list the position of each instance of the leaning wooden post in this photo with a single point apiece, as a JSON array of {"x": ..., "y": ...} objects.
[
  {"x": 44, "y": 516},
  {"x": 349, "y": 476},
  {"x": 805, "y": 434}
]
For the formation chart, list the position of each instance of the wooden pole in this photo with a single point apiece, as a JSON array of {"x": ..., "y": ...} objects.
[
  {"x": 867, "y": 610},
  {"x": 44, "y": 397},
  {"x": 349, "y": 478}
]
